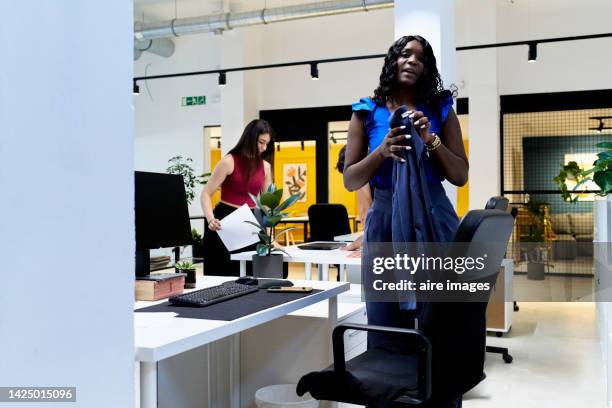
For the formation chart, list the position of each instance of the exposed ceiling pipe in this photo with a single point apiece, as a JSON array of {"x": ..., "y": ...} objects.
[
  {"x": 163, "y": 47},
  {"x": 226, "y": 21}
]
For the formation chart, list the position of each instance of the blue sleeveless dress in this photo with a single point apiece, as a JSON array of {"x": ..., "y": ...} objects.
[{"x": 378, "y": 227}]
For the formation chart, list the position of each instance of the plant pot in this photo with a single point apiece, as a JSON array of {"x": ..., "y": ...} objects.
[
  {"x": 197, "y": 251},
  {"x": 535, "y": 271},
  {"x": 270, "y": 266},
  {"x": 190, "y": 279}
]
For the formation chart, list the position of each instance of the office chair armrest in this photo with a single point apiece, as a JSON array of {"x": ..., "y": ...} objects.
[{"x": 424, "y": 352}]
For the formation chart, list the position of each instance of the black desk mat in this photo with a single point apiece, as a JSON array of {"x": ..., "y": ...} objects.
[{"x": 230, "y": 309}]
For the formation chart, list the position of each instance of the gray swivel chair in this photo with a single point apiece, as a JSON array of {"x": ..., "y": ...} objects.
[{"x": 500, "y": 203}]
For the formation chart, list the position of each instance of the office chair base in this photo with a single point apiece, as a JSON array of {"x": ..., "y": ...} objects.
[{"x": 501, "y": 350}]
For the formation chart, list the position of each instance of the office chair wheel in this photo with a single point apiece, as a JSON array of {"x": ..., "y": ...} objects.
[
  {"x": 499, "y": 334},
  {"x": 516, "y": 307},
  {"x": 507, "y": 358}
]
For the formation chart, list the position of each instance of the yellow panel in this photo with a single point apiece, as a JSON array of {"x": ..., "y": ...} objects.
[
  {"x": 215, "y": 156},
  {"x": 337, "y": 192},
  {"x": 295, "y": 155},
  {"x": 463, "y": 193}
]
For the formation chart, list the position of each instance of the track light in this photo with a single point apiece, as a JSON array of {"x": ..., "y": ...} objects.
[
  {"x": 278, "y": 147},
  {"x": 533, "y": 52},
  {"x": 135, "y": 89},
  {"x": 314, "y": 71},
  {"x": 221, "y": 78}
]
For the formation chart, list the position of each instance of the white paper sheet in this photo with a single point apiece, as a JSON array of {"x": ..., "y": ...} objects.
[{"x": 235, "y": 233}]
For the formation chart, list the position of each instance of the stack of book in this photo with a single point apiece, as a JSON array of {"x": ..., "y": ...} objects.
[
  {"x": 159, "y": 286},
  {"x": 159, "y": 262}
]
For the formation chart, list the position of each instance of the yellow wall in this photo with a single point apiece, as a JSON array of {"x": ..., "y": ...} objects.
[
  {"x": 294, "y": 154},
  {"x": 337, "y": 193},
  {"x": 463, "y": 193},
  {"x": 215, "y": 156}
]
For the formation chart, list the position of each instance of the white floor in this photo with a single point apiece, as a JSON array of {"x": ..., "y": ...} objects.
[{"x": 557, "y": 361}]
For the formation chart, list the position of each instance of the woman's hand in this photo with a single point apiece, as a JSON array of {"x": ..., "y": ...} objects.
[
  {"x": 421, "y": 123},
  {"x": 389, "y": 146},
  {"x": 214, "y": 224}
]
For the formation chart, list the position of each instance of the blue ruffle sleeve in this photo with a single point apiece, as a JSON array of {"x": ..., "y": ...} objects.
[
  {"x": 366, "y": 104},
  {"x": 446, "y": 104}
]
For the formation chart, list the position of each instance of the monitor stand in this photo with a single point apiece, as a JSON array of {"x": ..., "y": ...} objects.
[{"x": 143, "y": 263}]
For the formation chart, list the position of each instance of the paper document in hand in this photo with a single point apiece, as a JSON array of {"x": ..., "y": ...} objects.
[{"x": 235, "y": 233}]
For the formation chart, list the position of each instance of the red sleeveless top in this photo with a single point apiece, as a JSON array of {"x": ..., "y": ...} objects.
[{"x": 235, "y": 187}]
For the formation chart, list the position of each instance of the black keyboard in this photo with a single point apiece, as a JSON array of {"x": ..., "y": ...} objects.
[{"x": 212, "y": 295}]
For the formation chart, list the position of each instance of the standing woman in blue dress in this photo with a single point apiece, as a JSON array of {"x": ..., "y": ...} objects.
[{"x": 409, "y": 77}]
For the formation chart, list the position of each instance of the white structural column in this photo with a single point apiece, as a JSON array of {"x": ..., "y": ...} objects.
[
  {"x": 482, "y": 86},
  {"x": 435, "y": 21},
  {"x": 239, "y": 97},
  {"x": 66, "y": 173}
]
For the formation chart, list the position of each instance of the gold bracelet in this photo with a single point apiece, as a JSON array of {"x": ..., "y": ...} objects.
[{"x": 434, "y": 144}]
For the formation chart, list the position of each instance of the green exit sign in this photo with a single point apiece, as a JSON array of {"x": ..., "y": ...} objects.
[{"x": 193, "y": 100}]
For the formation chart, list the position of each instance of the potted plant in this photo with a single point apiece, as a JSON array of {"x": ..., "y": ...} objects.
[
  {"x": 267, "y": 262},
  {"x": 197, "y": 246},
  {"x": 600, "y": 173},
  {"x": 182, "y": 166},
  {"x": 533, "y": 244},
  {"x": 189, "y": 269}
]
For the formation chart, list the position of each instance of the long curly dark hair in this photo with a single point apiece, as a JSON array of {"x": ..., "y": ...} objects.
[{"x": 429, "y": 90}]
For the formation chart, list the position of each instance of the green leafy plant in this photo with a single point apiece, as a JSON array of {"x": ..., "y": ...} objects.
[
  {"x": 196, "y": 237},
  {"x": 269, "y": 202},
  {"x": 183, "y": 266},
  {"x": 183, "y": 166},
  {"x": 533, "y": 244},
  {"x": 600, "y": 174}
]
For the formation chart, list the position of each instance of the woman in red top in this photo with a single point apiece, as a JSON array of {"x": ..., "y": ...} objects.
[{"x": 246, "y": 169}]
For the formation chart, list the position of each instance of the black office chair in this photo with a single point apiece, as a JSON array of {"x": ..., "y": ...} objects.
[
  {"x": 500, "y": 203},
  {"x": 448, "y": 350},
  {"x": 327, "y": 221}
]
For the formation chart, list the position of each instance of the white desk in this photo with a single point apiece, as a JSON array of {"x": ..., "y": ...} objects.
[
  {"x": 159, "y": 336},
  {"x": 348, "y": 237},
  {"x": 308, "y": 257}
]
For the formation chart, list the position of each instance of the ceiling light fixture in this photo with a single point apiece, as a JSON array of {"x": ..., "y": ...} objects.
[
  {"x": 135, "y": 89},
  {"x": 222, "y": 79},
  {"x": 314, "y": 71},
  {"x": 533, "y": 52}
]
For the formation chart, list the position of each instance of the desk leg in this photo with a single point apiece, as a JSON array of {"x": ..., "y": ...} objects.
[
  {"x": 308, "y": 270},
  {"x": 243, "y": 268},
  {"x": 332, "y": 317},
  {"x": 341, "y": 269},
  {"x": 319, "y": 271},
  {"x": 325, "y": 268},
  {"x": 235, "y": 371},
  {"x": 148, "y": 384}
]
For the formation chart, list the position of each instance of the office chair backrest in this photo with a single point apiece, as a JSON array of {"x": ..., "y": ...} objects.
[
  {"x": 497, "y": 203},
  {"x": 327, "y": 221},
  {"x": 457, "y": 330}
]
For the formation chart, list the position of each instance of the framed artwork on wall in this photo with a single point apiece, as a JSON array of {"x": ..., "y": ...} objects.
[{"x": 295, "y": 179}]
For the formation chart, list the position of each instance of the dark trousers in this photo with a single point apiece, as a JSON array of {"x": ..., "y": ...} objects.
[{"x": 216, "y": 256}]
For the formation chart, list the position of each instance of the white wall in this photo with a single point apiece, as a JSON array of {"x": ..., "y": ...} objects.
[
  {"x": 66, "y": 213},
  {"x": 564, "y": 66},
  {"x": 164, "y": 128},
  {"x": 340, "y": 83}
]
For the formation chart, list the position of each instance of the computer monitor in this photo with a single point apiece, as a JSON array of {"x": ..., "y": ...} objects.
[{"x": 162, "y": 217}]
